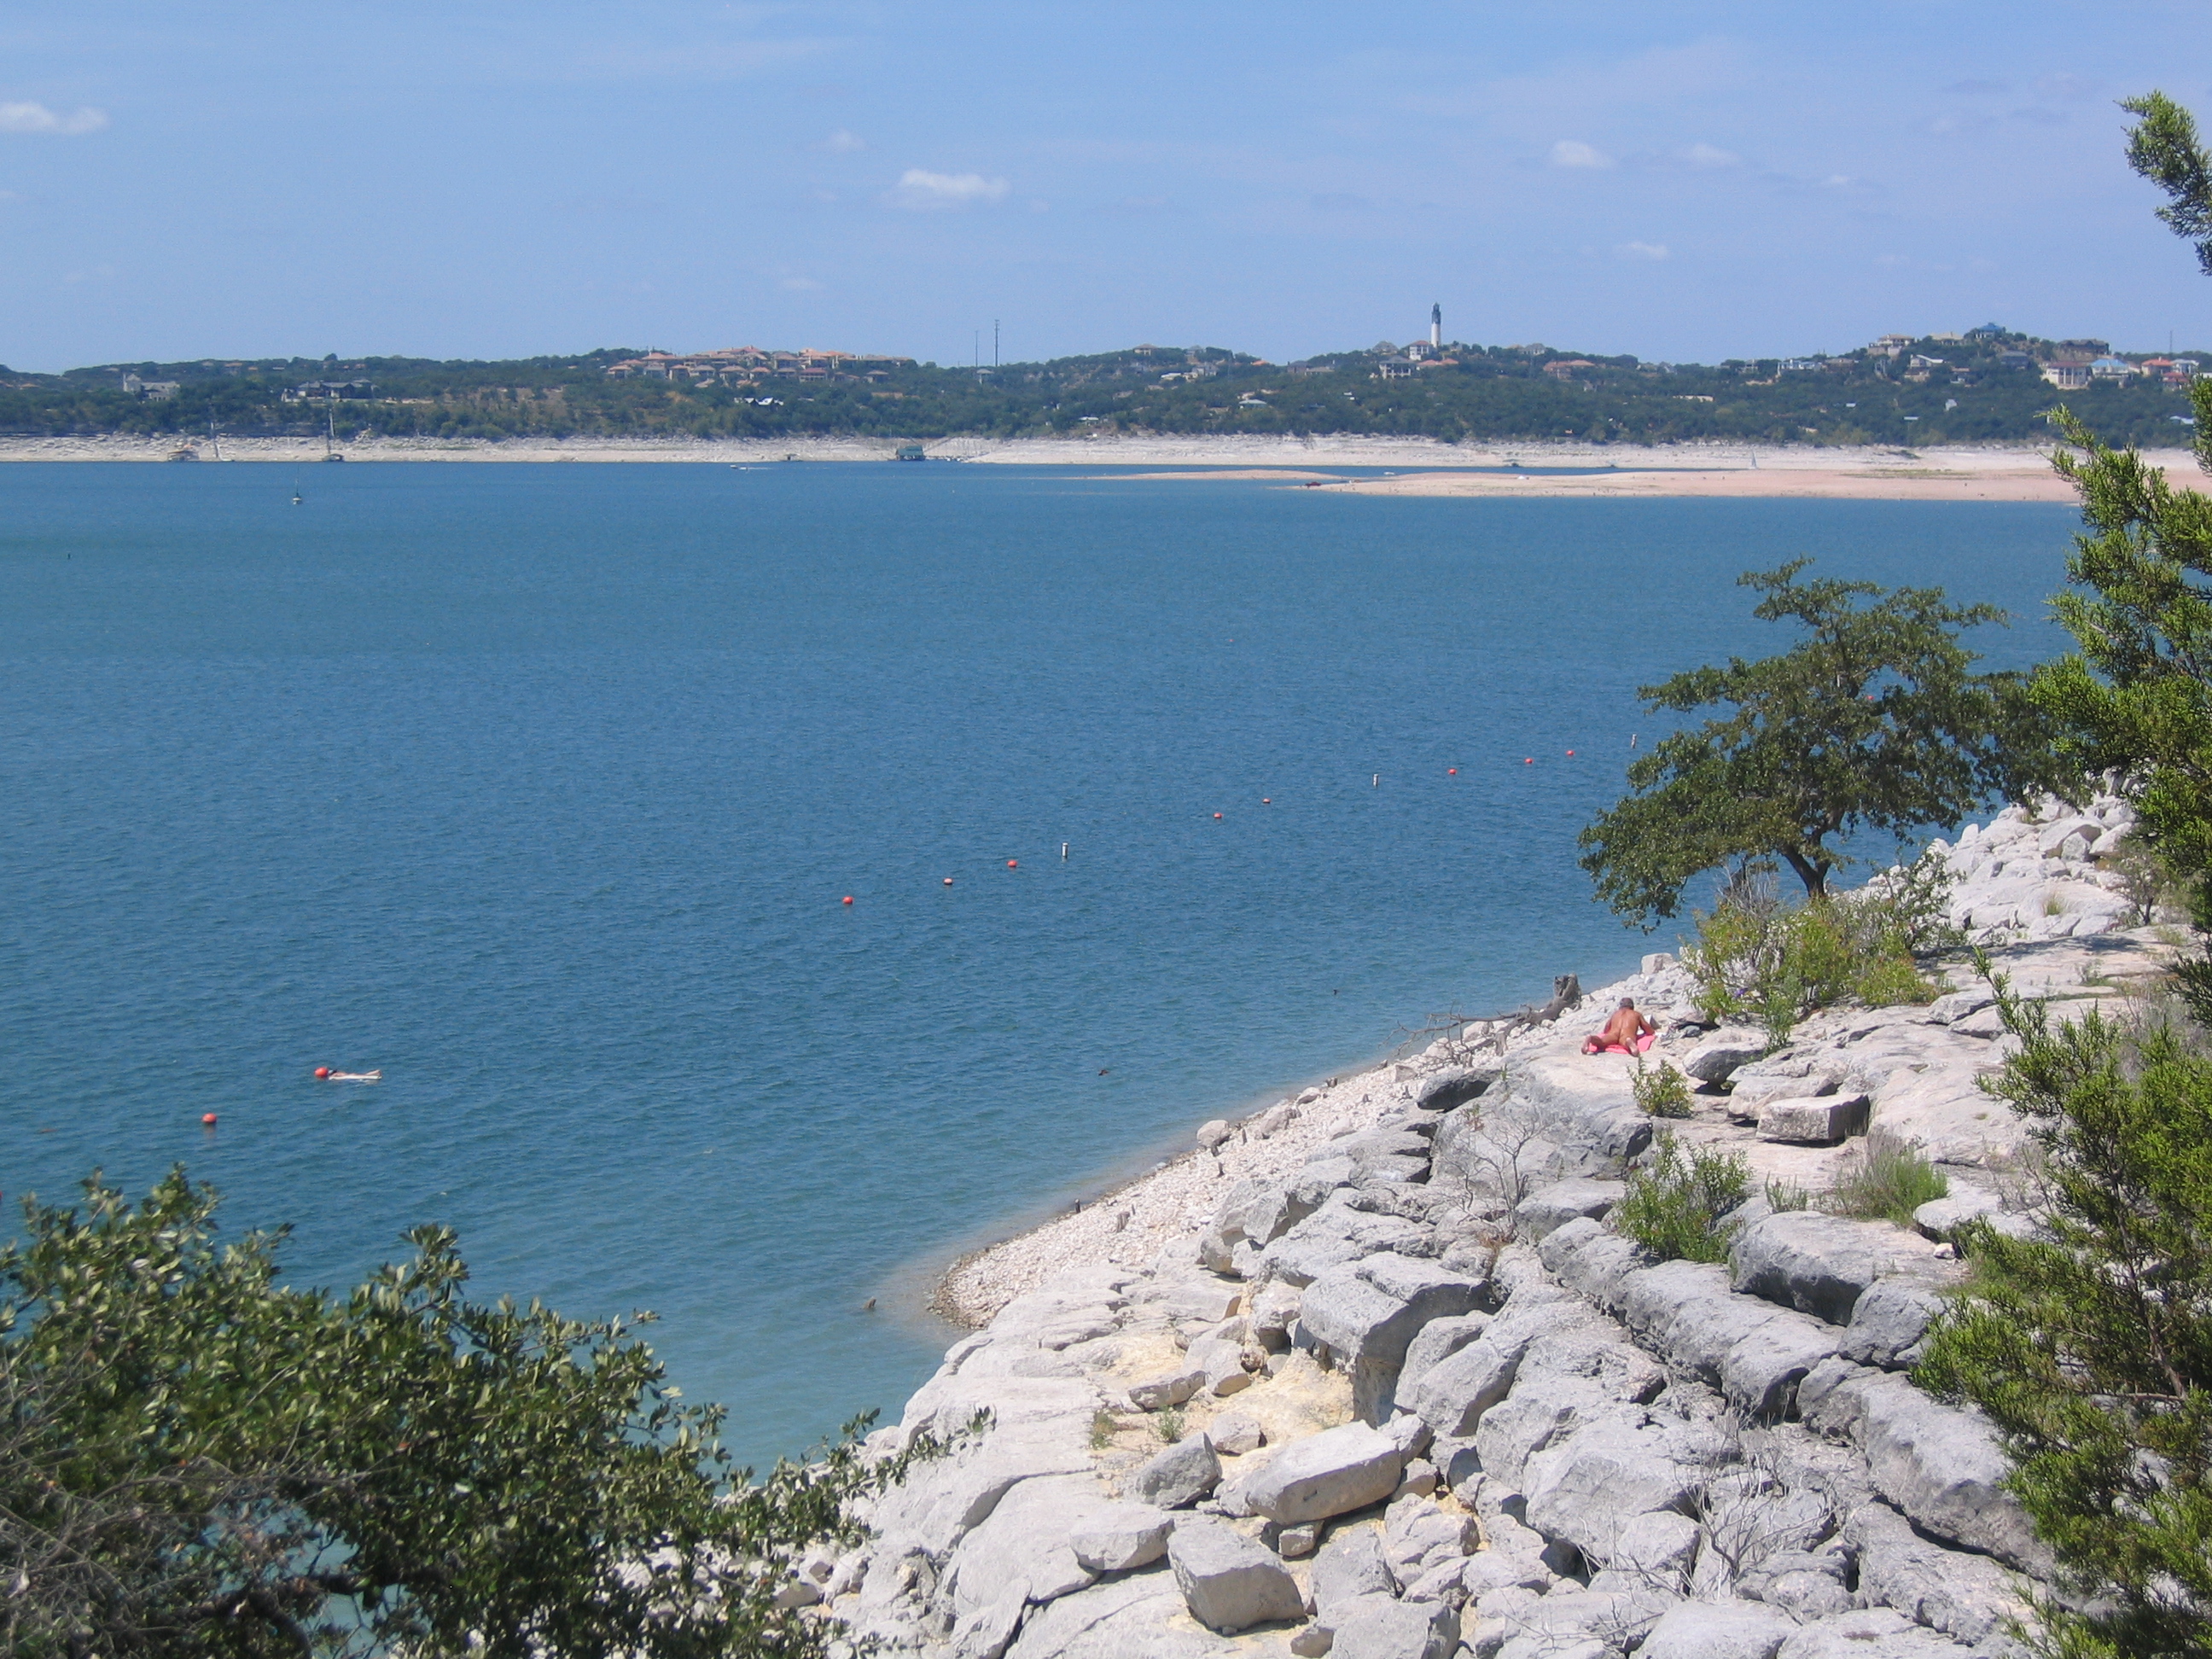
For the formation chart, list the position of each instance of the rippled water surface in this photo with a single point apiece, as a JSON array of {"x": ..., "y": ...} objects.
[{"x": 538, "y": 787}]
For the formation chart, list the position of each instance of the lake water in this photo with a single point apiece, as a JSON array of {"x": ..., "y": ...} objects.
[{"x": 539, "y": 788}]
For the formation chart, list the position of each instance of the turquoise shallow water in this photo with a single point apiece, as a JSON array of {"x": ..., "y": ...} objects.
[{"x": 539, "y": 786}]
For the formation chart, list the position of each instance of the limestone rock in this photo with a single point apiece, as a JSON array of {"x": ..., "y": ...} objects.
[
  {"x": 1821, "y": 1121},
  {"x": 1236, "y": 1433},
  {"x": 1119, "y": 1537},
  {"x": 1804, "y": 1584},
  {"x": 1968, "y": 1597},
  {"x": 1372, "y": 1309},
  {"x": 1353, "y": 1566},
  {"x": 986, "y": 1632},
  {"x": 1178, "y": 1476},
  {"x": 1229, "y": 1582},
  {"x": 1720, "y": 1054},
  {"x": 1168, "y": 1387},
  {"x": 1398, "y": 1630},
  {"x": 1717, "y": 1629},
  {"x": 1588, "y": 1488},
  {"x": 1549, "y": 1208},
  {"x": 1331, "y": 1473},
  {"x": 1440, "y": 1091},
  {"x": 1439, "y": 1339},
  {"x": 1295, "y": 1543},
  {"x": 1940, "y": 1218},
  {"x": 1889, "y": 1320},
  {"x": 1818, "y": 1263},
  {"x": 1212, "y": 1134},
  {"x": 1137, "y": 1617},
  {"x": 1875, "y": 1632}
]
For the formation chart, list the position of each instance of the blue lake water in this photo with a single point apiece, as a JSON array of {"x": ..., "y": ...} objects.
[{"x": 538, "y": 787}]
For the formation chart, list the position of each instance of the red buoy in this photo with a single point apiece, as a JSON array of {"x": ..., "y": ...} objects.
[
  {"x": 1216, "y": 815},
  {"x": 1531, "y": 761},
  {"x": 208, "y": 1118},
  {"x": 948, "y": 881},
  {"x": 1013, "y": 863},
  {"x": 847, "y": 899},
  {"x": 1570, "y": 752},
  {"x": 322, "y": 1073},
  {"x": 1451, "y": 771}
]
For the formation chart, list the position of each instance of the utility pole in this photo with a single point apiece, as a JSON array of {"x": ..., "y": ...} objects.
[{"x": 995, "y": 342}]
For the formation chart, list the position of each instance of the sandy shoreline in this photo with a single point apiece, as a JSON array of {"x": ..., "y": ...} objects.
[{"x": 1988, "y": 473}]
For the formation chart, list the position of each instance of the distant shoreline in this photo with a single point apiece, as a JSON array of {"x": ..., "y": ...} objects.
[{"x": 1992, "y": 472}]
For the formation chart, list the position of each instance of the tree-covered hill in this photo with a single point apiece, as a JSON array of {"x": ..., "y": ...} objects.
[{"x": 1933, "y": 391}]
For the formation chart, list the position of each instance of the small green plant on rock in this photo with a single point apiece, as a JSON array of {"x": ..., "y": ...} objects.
[
  {"x": 1787, "y": 1195},
  {"x": 1887, "y": 1181},
  {"x": 1661, "y": 1091},
  {"x": 1169, "y": 1425},
  {"x": 1103, "y": 1427},
  {"x": 1674, "y": 1208}
]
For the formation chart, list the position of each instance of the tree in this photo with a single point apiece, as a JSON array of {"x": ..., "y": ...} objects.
[
  {"x": 197, "y": 1461},
  {"x": 1873, "y": 721},
  {"x": 2090, "y": 1346}
]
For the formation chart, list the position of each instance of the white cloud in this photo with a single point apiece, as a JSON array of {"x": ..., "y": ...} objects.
[
  {"x": 842, "y": 143},
  {"x": 37, "y": 117},
  {"x": 1654, "y": 250},
  {"x": 1712, "y": 155},
  {"x": 921, "y": 190},
  {"x": 1573, "y": 153}
]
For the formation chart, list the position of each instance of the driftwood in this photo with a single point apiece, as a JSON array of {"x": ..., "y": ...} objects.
[{"x": 1566, "y": 993}]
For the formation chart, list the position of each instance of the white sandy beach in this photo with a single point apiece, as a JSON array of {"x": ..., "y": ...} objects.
[{"x": 1991, "y": 473}]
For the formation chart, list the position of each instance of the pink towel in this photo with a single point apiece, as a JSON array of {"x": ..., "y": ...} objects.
[{"x": 1641, "y": 1044}]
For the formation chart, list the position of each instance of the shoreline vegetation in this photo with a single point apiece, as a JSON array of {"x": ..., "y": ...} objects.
[{"x": 1987, "y": 386}]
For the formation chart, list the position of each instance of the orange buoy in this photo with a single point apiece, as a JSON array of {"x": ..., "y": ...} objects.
[
  {"x": 1216, "y": 815},
  {"x": 322, "y": 1073},
  {"x": 208, "y": 1118},
  {"x": 1013, "y": 864},
  {"x": 847, "y": 899}
]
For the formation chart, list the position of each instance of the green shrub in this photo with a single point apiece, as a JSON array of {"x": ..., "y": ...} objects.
[
  {"x": 1787, "y": 1195},
  {"x": 1673, "y": 1209},
  {"x": 1169, "y": 1425},
  {"x": 1887, "y": 1181},
  {"x": 1661, "y": 1091},
  {"x": 1756, "y": 955}
]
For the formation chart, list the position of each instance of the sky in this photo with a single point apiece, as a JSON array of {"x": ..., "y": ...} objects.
[{"x": 505, "y": 178}]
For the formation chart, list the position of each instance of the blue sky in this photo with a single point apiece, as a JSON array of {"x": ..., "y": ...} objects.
[{"x": 481, "y": 178}]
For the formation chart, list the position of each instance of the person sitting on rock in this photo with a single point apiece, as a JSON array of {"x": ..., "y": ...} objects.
[{"x": 1627, "y": 1032}]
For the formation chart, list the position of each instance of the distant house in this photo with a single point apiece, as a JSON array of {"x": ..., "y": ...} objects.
[
  {"x": 318, "y": 391},
  {"x": 1566, "y": 368},
  {"x": 1918, "y": 362},
  {"x": 2112, "y": 369},
  {"x": 1799, "y": 365},
  {"x": 1988, "y": 331},
  {"x": 1890, "y": 345},
  {"x": 152, "y": 391},
  {"x": 2067, "y": 373},
  {"x": 2014, "y": 360}
]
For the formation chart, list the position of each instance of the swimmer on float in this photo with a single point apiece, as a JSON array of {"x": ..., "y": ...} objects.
[{"x": 323, "y": 1074}]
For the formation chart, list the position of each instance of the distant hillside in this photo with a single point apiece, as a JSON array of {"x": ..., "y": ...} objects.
[{"x": 1991, "y": 386}]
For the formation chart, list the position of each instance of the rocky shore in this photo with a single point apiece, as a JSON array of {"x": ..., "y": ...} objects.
[{"x": 1368, "y": 1374}]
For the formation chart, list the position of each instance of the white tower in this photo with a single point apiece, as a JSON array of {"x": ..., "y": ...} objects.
[{"x": 1435, "y": 327}]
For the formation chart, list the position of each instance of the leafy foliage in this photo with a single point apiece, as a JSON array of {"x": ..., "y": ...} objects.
[
  {"x": 1778, "y": 962},
  {"x": 1674, "y": 1207},
  {"x": 1887, "y": 1179},
  {"x": 2163, "y": 147},
  {"x": 1661, "y": 1091},
  {"x": 1873, "y": 721},
  {"x": 2091, "y": 1349},
  {"x": 196, "y": 1459}
]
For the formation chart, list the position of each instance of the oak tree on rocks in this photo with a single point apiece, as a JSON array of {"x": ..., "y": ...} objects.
[
  {"x": 196, "y": 1459},
  {"x": 1874, "y": 721}
]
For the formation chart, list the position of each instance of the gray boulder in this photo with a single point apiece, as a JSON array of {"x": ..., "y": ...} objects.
[
  {"x": 1119, "y": 1537},
  {"x": 1334, "y": 1236},
  {"x": 1939, "y": 1217},
  {"x": 1439, "y": 1339},
  {"x": 1889, "y": 1320},
  {"x": 1548, "y": 1208},
  {"x": 1168, "y": 1388},
  {"x": 1178, "y": 1476},
  {"x": 1719, "y": 1056},
  {"x": 1875, "y": 1633},
  {"x": 1968, "y": 1597},
  {"x": 1456, "y": 1085},
  {"x": 1398, "y": 1630},
  {"x": 1805, "y": 1584},
  {"x": 1821, "y": 1121},
  {"x": 1351, "y": 1566},
  {"x": 1372, "y": 1309},
  {"x": 1717, "y": 1629},
  {"x": 1939, "y": 1465},
  {"x": 1331, "y": 1473},
  {"x": 986, "y": 1632},
  {"x": 1136, "y": 1617},
  {"x": 1229, "y": 1582},
  {"x": 1818, "y": 1263},
  {"x": 1453, "y": 1394},
  {"x": 1591, "y": 1485},
  {"x": 1236, "y": 1433}
]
